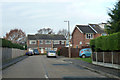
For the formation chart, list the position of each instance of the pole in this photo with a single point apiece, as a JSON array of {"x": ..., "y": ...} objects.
[
  {"x": 69, "y": 39},
  {"x": 69, "y": 51}
]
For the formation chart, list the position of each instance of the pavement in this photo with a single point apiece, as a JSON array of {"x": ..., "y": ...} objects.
[
  {"x": 13, "y": 61},
  {"x": 109, "y": 72},
  {"x": 40, "y": 67}
]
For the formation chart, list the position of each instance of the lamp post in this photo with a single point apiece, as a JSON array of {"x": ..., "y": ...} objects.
[{"x": 69, "y": 37}]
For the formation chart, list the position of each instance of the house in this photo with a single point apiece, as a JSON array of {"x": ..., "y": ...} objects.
[
  {"x": 82, "y": 34},
  {"x": 45, "y": 42}
]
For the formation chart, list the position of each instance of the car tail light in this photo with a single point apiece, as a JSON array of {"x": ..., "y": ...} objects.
[{"x": 81, "y": 51}]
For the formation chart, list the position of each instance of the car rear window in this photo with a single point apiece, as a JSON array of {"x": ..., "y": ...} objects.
[
  {"x": 87, "y": 50},
  {"x": 35, "y": 50}
]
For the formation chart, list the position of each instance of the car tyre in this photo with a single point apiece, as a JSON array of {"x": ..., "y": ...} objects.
[{"x": 83, "y": 56}]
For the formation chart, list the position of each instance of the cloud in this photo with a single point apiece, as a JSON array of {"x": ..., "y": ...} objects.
[
  {"x": 41, "y": 1},
  {"x": 41, "y": 13},
  {"x": 39, "y": 16}
]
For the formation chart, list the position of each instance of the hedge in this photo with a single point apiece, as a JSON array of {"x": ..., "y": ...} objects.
[
  {"x": 106, "y": 43},
  {"x": 9, "y": 44}
]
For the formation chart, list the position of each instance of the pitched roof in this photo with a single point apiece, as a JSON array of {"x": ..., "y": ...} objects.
[
  {"x": 85, "y": 29},
  {"x": 46, "y": 37},
  {"x": 97, "y": 28}
]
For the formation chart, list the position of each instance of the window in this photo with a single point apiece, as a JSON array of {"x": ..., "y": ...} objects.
[
  {"x": 87, "y": 43},
  {"x": 55, "y": 49},
  {"x": 47, "y": 42},
  {"x": 62, "y": 42},
  {"x": 89, "y": 36},
  {"x": 76, "y": 46},
  {"x": 46, "y": 49},
  {"x": 41, "y": 41},
  {"x": 55, "y": 42},
  {"x": 104, "y": 34},
  {"x": 49, "y": 49},
  {"x": 32, "y": 42},
  {"x": 80, "y": 42}
]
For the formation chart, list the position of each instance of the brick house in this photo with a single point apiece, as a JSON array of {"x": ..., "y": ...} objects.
[
  {"x": 45, "y": 42},
  {"x": 82, "y": 34}
]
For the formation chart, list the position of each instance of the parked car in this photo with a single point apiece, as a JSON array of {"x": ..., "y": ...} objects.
[
  {"x": 51, "y": 54},
  {"x": 29, "y": 53},
  {"x": 36, "y": 52},
  {"x": 86, "y": 52}
]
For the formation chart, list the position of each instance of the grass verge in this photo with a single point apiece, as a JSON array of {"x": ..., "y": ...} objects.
[{"x": 89, "y": 60}]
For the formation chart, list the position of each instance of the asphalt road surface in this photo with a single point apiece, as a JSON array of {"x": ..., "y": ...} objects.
[{"x": 40, "y": 66}]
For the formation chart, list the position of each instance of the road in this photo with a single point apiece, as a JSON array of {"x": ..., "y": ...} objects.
[{"x": 40, "y": 66}]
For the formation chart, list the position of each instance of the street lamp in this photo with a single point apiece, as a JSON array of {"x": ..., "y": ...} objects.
[{"x": 69, "y": 38}]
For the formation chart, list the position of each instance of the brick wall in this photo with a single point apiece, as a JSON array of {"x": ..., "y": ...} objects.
[{"x": 76, "y": 38}]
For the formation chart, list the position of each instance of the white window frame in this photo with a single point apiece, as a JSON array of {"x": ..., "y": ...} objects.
[
  {"x": 80, "y": 42},
  {"x": 103, "y": 34},
  {"x": 47, "y": 40},
  {"x": 41, "y": 41},
  {"x": 89, "y": 34},
  {"x": 62, "y": 42},
  {"x": 55, "y": 49},
  {"x": 56, "y": 42},
  {"x": 32, "y": 41}
]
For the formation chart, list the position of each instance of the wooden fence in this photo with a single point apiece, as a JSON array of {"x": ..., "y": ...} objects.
[
  {"x": 108, "y": 59},
  {"x": 74, "y": 52}
]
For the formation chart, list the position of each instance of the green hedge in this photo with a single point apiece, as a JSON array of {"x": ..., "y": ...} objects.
[
  {"x": 106, "y": 43},
  {"x": 9, "y": 44}
]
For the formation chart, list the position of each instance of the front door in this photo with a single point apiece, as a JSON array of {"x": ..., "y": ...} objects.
[{"x": 42, "y": 51}]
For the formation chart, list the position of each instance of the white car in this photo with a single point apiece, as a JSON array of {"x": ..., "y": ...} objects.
[{"x": 51, "y": 54}]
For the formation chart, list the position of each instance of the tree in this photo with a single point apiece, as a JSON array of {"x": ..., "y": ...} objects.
[
  {"x": 45, "y": 31},
  {"x": 63, "y": 32},
  {"x": 16, "y": 36},
  {"x": 114, "y": 19}
]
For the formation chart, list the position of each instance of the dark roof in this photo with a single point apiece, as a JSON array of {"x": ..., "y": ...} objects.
[
  {"x": 31, "y": 37},
  {"x": 85, "y": 28},
  {"x": 46, "y": 37},
  {"x": 97, "y": 28}
]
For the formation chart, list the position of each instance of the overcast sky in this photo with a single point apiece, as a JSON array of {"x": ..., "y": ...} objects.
[{"x": 36, "y": 14}]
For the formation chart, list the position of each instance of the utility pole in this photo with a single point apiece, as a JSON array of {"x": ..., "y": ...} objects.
[{"x": 69, "y": 38}]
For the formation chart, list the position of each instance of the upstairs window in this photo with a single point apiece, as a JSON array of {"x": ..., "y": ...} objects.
[
  {"x": 32, "y": 42},
  {"x": 89, "y": 36},
  {"x": 104, "y": 34},
  {"x": 47, "y": 42},
  {"x": 55, "y": 42}
]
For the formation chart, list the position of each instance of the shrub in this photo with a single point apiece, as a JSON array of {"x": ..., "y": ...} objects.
[
  {"x": 58, "y": 52},
  {"x": 9, "y": 44},
  {"x": 92, "y": 44},
  {"x": 106, "y": 43}
]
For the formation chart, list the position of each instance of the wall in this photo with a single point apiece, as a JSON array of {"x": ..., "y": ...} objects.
[
  {"x": 10, "y": 53},
  {"x": 76, "y": 38}
]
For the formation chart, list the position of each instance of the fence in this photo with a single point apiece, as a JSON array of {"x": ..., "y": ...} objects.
[
  {"x": 108, "y": 59},
  {"x": 10, "y": 53},
  {"x": 74, "y": 52}
]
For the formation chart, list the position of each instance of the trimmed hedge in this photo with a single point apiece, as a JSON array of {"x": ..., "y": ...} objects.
[
  {"x": 9, "y": 44},
  {"x": 106, "y": 43}
]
